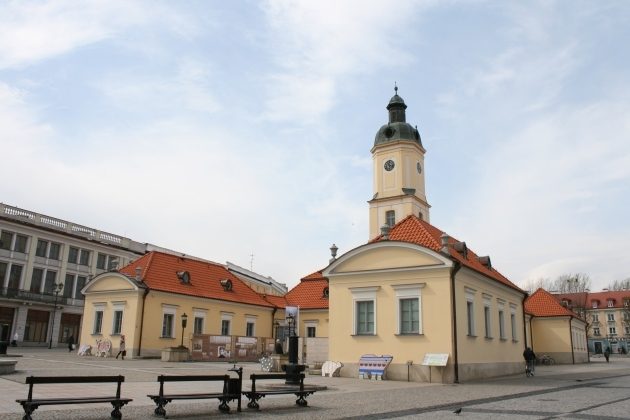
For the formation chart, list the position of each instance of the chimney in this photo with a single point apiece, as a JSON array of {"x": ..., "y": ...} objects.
[
  {"x": 385, "y": 229},
  {"x": 139, "y": 273}
]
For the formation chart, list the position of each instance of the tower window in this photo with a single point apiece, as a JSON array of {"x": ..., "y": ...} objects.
[
  {"x": 390, "y": 218},
  {"x": 420, "y": 216}
]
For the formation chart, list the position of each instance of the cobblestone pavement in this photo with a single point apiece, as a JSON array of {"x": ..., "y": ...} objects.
[{"x": 597, "y": 390}]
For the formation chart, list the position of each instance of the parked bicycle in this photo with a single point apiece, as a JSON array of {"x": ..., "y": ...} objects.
[{"x": 547, "y": 360}]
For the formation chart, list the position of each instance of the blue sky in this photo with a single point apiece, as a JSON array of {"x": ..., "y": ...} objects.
[{"x": 225, "y": 129}]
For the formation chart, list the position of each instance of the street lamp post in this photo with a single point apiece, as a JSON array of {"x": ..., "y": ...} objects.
[
  {"x": 56, "y": 290},
  {"x": 184, "y": 322}
]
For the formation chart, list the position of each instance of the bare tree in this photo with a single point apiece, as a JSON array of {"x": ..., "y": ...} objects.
[
  {"x": 572, "y": 283},
  {"x": 541, "y": 283},
  {"x": 620, "y": 284}
]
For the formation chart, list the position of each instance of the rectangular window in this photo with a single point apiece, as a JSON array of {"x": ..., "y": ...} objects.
[
  {"x": 225, "y": 327},
  {"x": 611, "y": 317},
  {"x": 390, "y": 218},
  {"x": 73, "y": 255},
  {"x": 36, "y": 280},
  {"x": 612, "y": 330},
  {"x": 198, "y": 325},
  {"x": 3, "y": 271},
  {"x": 486, "y": 318},
  {"x": 611, "y": 303},
  {"x": 54, "y": 251},
  {"x": 68, "y": 286},
  {"x": 311, "y": 331},
  {"x": 118, "y": 318},
  {"x": 42, "y": 248},
  {"x": 15, "y": 275},
  {"x": 49, "y": 285},
  {"x": 20, "y": 243},
  {"x": 167, "y": 325},
  {"x": 6, "y": 238},
  {"x": 249, "y": 329},
  {"x": 501, "y": 325},
  {"x": 81, "y": 280},
  {"x": 84, "y": 257},
  {"x": 595, "y": 317},
  {"x": 98, "y": 322},
  {"x": 470, "y": 312},
  {"x": 101, "y": 261},
  {"x": 627, "y": 330},
  {"x": 513, "y": 325},
  {"x": 409, "y": 316},
  {"x": 596, "y": 331},
  {"x": 365, "y": 317}
]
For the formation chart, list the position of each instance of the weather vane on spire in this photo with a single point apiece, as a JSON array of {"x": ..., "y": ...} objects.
[{"x": 395, "y": 88}]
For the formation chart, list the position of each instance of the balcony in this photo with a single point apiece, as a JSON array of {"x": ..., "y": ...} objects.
[{"x": 28, "y": 296}]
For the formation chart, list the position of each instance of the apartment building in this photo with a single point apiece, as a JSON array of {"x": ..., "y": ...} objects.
[
  {"x": 45, "y": 262},
  {"x": 607, "y": 314}
]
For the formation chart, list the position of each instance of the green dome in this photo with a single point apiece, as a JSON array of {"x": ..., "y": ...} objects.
[{"x": 397, "y": 128}]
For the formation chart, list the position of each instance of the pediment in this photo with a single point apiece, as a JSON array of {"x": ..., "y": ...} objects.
[
  {"x": 390, "y": 255},
  {"x": 108, "y": 282}
]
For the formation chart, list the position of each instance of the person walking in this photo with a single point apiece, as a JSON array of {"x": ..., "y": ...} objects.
[
  {"x": 70, "y": 342},
  {"x": 530, "y": 358},
  {"x": 607, "y": 354},
  {"x": 122, "y": 352},
  {"x": 16, "y": 337}
]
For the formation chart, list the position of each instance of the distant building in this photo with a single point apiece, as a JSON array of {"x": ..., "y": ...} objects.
[
  {"x": 44, "y": 260},
  {"x": 607, "y": 314},
  {"x": 260, "y": 284},
  {"x": 554, "y": 330}
]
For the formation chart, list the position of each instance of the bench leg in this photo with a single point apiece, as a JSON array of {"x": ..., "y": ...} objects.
[
  {"x": 28, "y": 410},
  {"x": 116, "y": 414},
  {"x": 224, "y": 407},
  {"x": 253, "y": 398},
  {"x": 301, "y": 401}
]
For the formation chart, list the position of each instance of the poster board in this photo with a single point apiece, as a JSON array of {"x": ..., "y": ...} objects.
[{"x": 435, "y": 359}]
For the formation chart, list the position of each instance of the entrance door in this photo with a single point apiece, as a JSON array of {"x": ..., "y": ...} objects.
[
  {"x": 5, "y": 330},
  {"x": 598, "y": 347}
]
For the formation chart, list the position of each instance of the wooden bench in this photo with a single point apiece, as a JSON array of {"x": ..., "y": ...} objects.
[
  {"x": 373, "y": 366},
  {"x": 254, "y": 395},
  {"x": 231, "y": 390},
  {"x": 30, "y": 404}
]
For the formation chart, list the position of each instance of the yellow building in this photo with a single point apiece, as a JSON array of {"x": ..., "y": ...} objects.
[
  {"x": 554, "y": 330},
  {"x": 146, "y": 300},
  {"x": 414, "y": 291}
]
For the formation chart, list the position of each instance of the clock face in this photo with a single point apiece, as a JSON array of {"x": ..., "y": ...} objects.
[
  {"x": 389, "y": 165},
  {"x": 419, "y": 167}
]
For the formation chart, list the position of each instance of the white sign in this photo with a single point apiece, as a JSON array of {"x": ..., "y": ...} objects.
[{"x": 435, "y": 359}]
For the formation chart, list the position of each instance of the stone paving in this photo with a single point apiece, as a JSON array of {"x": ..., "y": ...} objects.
[{"x": 597, "y": 390}]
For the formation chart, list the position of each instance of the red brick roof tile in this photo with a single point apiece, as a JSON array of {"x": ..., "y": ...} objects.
[
  {"x": 309, "y": 293},
  {"x": 543, "y": 303},
  {"x": 159, "y": 272},
  {"x": 586, "y": 299},
  {"x": 414, "y": 230}
]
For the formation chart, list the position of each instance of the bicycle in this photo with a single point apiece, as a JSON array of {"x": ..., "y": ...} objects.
[{"x": 546, "y": 360}]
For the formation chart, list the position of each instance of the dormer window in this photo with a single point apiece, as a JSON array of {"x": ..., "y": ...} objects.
[
  {"x": 462, "y": 249},
  {"x": 325, "y": 293},
  {"x": 626, "y": 302},
  {"x": 226, "y": 284},
  {"x": 565, "y": 302},
  {"x": 390, "y": 218},
  {"x": 611, "y": 303},
  {"x": 595, "y": 304},
  {"x": 184, "y": 277}
]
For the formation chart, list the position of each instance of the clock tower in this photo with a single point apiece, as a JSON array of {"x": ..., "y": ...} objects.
[{"x": 398, "y": 171}]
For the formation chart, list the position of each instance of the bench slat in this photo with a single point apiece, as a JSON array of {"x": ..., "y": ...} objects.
[
  {"x": 186, "y": 378},
  {"x": 51, "y": 401},
  {"x": 72, "y": 379},
  {"x": 189, "y": 396}
]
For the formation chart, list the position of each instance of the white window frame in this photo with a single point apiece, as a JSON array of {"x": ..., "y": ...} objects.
[
  {"x": 470, "y": 312},
  {"x": 610, "y": 317},
  {"x": 487, "y": 316},
  {"x": 227, "y": 316},
  {"x": 310, "y": 324},
  {"x": 596, "y": 331},
  {"x": 513, "y": 322},
  {"x": 612, "y": 330},
  {"x": 199, "y": 314},
  {"x": 118, "y": 307},
  {"x": 172, "y": 311},
  {"x": 363, "y": 294},
  {"x": 250, "y": 319},
  {"x": 408, "y": 291},
  {"x": 611, "y": 303},
  {"x": 98, "y": 308}
]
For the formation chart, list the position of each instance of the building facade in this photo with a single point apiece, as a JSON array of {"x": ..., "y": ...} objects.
[
  {"x": 415, "y": 291},
  {"x": 45, "y": 262},
  {"x": 607, "y": 315}
]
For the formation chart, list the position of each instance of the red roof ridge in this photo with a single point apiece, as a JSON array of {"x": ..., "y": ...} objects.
[{"x": 544, "y": 304}]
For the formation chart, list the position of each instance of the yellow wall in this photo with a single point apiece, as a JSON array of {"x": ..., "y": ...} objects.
[
  {"x": 319, "y": 316},
  {"x": 551, "y": 335},
  {"x": 112, "y": 288},
  {"x": 479, "y": 348}
]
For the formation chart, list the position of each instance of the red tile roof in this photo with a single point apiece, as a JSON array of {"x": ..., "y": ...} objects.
[
  {"x": 277, "y": 301},
  {"x": 159, "y": 272},
  {"x": 414, "y": 230},
  {"x": 309, "y": 293},
  {"x": 543, "y": 303},
  {"x": 586, "y": 299}
]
